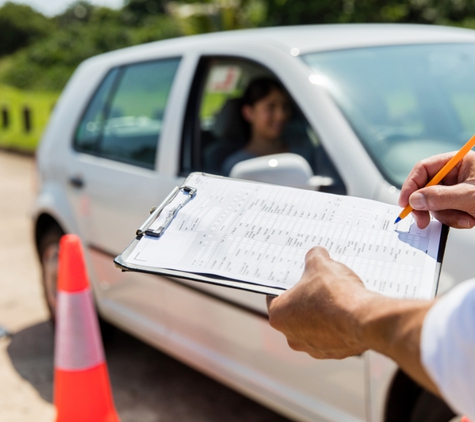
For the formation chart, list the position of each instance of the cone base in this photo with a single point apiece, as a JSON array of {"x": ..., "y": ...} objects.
[{"x": 84, "y": 396}]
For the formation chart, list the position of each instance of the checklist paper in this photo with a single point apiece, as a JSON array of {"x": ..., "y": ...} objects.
[{"x": 259, "y": 234}]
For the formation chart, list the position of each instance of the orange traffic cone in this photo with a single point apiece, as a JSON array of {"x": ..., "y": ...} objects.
[{"x": 81, "y": 382}]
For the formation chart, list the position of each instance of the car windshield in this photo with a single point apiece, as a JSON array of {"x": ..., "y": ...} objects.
[{"x": 405, "y": 102}]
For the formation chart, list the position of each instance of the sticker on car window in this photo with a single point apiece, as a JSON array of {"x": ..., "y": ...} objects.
[{"x": 223, "y": 79}]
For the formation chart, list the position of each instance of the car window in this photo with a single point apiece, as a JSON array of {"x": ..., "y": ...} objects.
[
  {"x": 222, "y": 130},
  {"x": 124, "y": 120},
  {"x": 404, "y": 102},
  {"x": 89, "y": 130}
]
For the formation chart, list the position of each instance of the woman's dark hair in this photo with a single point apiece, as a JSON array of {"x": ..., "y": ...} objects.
[{"x": 259, "y": 89}]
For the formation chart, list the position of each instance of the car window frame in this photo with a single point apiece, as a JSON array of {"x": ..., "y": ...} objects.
[
  {"x": 191, "y": 139},
  {"x": 191, "y": 132}
]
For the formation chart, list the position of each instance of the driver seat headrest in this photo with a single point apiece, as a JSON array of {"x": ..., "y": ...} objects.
[{"x": 229, "y": 123}]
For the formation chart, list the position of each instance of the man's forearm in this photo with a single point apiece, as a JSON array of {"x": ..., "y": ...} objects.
[{"x": 393, "y": 327}]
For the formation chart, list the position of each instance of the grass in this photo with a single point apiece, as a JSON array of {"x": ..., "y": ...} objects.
[{"x": 14, "y": 100}]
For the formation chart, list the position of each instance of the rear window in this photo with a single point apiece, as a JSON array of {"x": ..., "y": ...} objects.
[{"x": 123, "y": 122}]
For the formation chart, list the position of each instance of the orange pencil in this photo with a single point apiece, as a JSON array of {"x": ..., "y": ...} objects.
[{"x": 442, "y": 173}]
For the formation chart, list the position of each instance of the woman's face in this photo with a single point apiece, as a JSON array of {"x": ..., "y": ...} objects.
[{"x": 269, "y": 115}]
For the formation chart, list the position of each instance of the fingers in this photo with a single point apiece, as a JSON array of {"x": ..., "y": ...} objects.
[
  {"x": 278, "y": 307},
  {"x": 422, "y": 173},
  {"x": 457, "y": 203},
  {"x": 314, "y": 256},
  {"x": 436, "y": 198},
  {"x": 451, "y": 205},
  {"x": 269, "y": 299},
  {"x": 422, "y": 218},
  {"x": 294, "y": 344},
  {"x": 315, "y": 315},
  {"x": 455, "y": 219},
  {"x": 275, "y": 319},
  {"x": 278, "y": 310},
  {"x": 408, "y": 188}
]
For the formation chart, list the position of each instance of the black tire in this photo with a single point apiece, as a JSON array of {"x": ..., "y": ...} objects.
[
  {"x": 48, "y": 247},
  {"x": 429, "y": 408},
  {"x": 409, "y": 402}
]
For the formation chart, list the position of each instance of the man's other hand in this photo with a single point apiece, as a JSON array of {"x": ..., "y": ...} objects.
[
  {"x": 330, "y": 315},
  {"x": 319, "y": 314}
]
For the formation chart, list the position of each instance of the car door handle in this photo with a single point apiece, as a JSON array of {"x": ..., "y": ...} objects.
[{"x": 76, "y": 181}]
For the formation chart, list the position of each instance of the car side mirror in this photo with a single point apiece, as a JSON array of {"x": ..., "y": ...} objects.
[{"x": 280, "y": 169}]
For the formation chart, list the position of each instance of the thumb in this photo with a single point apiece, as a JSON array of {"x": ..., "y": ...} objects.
[
  {"x": 459, "y": 197},
  {"x": 314, "y": 256}
]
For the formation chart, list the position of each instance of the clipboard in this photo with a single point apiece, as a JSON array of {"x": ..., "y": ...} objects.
[
  {"x": 161, "y": 218},
  {"x": 145, "y": 229},
  {"x": 120, "y": 262}
]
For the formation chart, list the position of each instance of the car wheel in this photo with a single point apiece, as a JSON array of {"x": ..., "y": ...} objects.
[
  {"x": 48, "y": 252},
  {"x": 430, "y": 408},
  {"x": 48, "y": 247}
]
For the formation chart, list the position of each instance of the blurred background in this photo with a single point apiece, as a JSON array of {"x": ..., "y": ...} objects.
[{"x": 42, "y": 42}]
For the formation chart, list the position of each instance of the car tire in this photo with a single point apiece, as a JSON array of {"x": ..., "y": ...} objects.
[
  {"x": 48, "y": 247},
  {"x": 430, "y": 408}
]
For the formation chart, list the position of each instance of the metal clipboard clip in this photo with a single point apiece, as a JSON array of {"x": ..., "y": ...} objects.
[{"x": 155, "y": 212}]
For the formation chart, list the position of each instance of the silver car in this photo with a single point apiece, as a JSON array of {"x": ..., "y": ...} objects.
[{"x": 368, "y": 101}]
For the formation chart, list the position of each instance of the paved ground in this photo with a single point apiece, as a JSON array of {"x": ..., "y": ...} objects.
[{"x": 148, "y": 385}]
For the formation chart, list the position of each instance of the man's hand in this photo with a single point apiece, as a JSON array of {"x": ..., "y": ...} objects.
[
  {"x": 319, "y": 314},
  {"x": 452, "y": 202},
  {"x": 330, "y": 315}
]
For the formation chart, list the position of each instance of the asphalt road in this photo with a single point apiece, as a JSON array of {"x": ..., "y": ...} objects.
[{"x": 148, "y": 385}]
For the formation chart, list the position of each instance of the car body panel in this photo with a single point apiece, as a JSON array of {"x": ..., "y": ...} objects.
[
  {"x": 229, "y": 347},
  {"x": 223, "y": 332}
]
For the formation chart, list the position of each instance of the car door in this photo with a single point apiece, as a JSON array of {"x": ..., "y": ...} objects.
[
  {"x": 113, "y": 180},
  {"x": 225, "y": 332}
]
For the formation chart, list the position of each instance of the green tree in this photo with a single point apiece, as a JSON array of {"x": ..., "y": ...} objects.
[
  {"x": 135, "y": 12},
  {"x": 79, "y": 11},
  {"x": 48, "y": 63},
  {"x": 297, "y": 12},
  {"x": 21, "y": 26}
]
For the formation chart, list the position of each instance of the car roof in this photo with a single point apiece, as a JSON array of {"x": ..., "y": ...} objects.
[
  {"x": 331, "y": 37},
  {"x": 309, "y": 38}
]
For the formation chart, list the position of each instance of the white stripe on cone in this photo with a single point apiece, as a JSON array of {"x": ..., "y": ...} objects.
[{"x": 78, "y": 342}]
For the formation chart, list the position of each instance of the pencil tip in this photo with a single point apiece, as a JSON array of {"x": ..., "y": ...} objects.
[{"x": 397, "y": 220}]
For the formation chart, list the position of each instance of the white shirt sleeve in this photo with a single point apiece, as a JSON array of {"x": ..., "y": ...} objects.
[{"x": 448, "y": 347}]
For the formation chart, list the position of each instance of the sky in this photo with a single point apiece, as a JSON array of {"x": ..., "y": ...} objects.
[{"x": 55, "y": 7}]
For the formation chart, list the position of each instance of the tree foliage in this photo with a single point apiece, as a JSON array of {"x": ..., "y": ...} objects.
[
  {"x": 291, "y": 12},
  {"x": 136, "y": 11},
  {"x": 21, "y": 26},
  {"x": 82, "y": 31},
  {"x": 47, "y": 50}
]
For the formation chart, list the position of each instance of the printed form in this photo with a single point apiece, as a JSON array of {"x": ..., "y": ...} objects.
[{"x": 260, "y": 234}]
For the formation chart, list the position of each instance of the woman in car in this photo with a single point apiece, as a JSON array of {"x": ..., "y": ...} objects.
[{"x": 266, "y": 109}]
